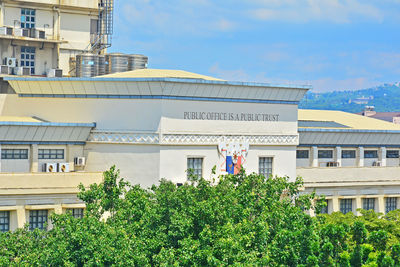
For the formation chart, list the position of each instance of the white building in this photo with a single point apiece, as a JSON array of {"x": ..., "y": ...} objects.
[
  {"x": 42, "y": 35},
  {"x": 152, "y": 124},
  {"x": 351, "y": 159}
]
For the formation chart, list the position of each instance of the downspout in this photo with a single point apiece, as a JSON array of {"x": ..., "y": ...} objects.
[{"x": 56, "y": 31}]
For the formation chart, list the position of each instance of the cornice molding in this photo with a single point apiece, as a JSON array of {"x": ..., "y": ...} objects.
[{"x": 189, "y": 139}]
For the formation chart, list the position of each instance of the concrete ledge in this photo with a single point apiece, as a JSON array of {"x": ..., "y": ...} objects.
[{"x": 46, "y": 183}]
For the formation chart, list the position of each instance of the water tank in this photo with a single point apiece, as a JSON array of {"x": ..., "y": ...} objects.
[
  {"x": 136, "y": 62},
  {"x": 102, "y": 65},
  {"x": 87, "y": 65},
  {"x": 116, "y": 62}
]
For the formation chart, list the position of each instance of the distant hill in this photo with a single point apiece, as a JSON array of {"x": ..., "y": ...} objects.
[{"x": 385, "y": 98}]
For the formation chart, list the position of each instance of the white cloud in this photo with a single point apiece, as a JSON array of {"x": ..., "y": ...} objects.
[{"x": 336, "y": 11}]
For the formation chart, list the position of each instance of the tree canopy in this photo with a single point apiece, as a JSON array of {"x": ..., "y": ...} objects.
[{"x": 242, "y": 220}]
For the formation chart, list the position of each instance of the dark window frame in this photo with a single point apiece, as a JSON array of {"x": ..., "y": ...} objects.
[
  {"x": 14, "y": 153},
  {"x": 51, "y": 153},
  {"x": 369, "y": 204},
  {"x": 76, "y": 212},
  {"x": 196, "y": 165},
  {"x": 346, "y": 205},
  {"x": 302, "y": 154},
  {"x": 390, "y": 204},
  {"x": 392, "y": 154},
  {"x": 28, "y": 18},
  {"x": 266, "y": 166},
  {"x": 28, "y": 55},
  {"x": 4, "y": 221},
  {"x": 325, "y": 154},
  {"x": 348, "y": 154},
  {"x": 370, "y": 154},
  {"x": 38, "y": 219}
]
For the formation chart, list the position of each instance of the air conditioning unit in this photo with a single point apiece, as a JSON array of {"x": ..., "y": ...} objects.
[
  {"x": 63, "y": 167},
  {"x": 21, "y": 32},
  {"x": 79, "y": 161},
  {"x": 377, "y": 164},
  {"x": 38, "y": 34},
  {"x": 41, "y": 34},
  {"x": 333, "y": 164},
  {"x": 50, "y": 167},
  {"x": 4, "y": 69},
  {"x": 22, "y": 71},
  {"x": 54, "y": 73},
  {"x": 11, "y": 62},
  {"x": 6, "y": 31}
]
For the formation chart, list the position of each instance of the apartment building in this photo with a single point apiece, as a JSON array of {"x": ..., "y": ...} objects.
[{"x": 38, "y": 37}]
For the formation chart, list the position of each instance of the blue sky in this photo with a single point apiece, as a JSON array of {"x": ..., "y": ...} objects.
[{"x": 330, "y": 44}]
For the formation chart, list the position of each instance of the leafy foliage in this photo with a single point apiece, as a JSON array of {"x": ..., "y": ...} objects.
[{"x": 240, "y": 220}]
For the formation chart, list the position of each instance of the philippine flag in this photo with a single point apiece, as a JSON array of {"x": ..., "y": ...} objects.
[{"x": 230, "y": 167}]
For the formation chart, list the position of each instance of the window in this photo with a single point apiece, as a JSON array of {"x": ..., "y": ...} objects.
[
  {"x": 28, "y": 18},
  {"x": 348, "y": 154},
  {"x": 28, "y": 58},
  {"x": 51, "y": 153},
  {"x": 324, "y": 210},
  {"x": 76, "y": 213},
  {"x": 370, "y": 154},
  {"x": 369, "y": 203},
  {"x": 37, "y": 219},
  {"x": 392, "y": 154},
  {"x": 14, "y": 154},
  {"x": 302, "y": 154},
  {"x": 346, "y": 205},
  {"x": 325, "y": 154},
  {"x": 196, "y": 165},
  {"x": 4, "y": 221},
  {"x": 391, "y": 204},
  {"x": 265, "y": 166}
]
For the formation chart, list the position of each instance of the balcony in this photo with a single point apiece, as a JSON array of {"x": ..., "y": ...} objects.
[
  {"x": 46, "y": 183},
  {"x": 27, "y": 35}
]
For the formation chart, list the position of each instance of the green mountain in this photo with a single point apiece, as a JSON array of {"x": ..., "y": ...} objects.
[{"x": 384, "y": 98}]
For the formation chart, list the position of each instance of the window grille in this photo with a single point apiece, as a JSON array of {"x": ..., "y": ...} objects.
[
  {"x": 38, "y": 219},
  {"x": 28, "y": 18},
  {"x": 369, "y": 203},
  {"x": 196, "y": 166},
  {"x": 76, "y": 213},
  {"x": 51, "y": 153},
  {"x": 346, "y": 205},
  {"x": 14, "y": 154},
  {"x": 391, "y": 204},
  {"x": 28, "y": 55},
  {"x": 265, "y": 166},
  {"x": 4, "y": 221},
  {"x": 324, "y": 210}
]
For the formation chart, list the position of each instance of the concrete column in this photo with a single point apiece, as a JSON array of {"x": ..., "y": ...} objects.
[
  {"x": 2, "y": 13},
  {"x": 381, "y": 204},
  {"x": 69, "y": 157},
  {"x": 314, "y": 156},
  {"x": 335, "y": 204},
  {"x": 34, "y": 158},
  {"x": 382, "y": 156},
  {"x": 360, "y": 157},
  {"x": 21, "y": 217},
  {"x": 0, "y": 158},
  {"x": 338, "y": 155},
  {"x": 358, "y": 205},
  {"x": 58, "y": 209}
]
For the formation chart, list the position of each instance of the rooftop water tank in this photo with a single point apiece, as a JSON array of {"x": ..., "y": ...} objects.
[
  {"x": 136, "y": 62},
  {"x": 87, "y": 65},
  {"x": 116, "y": 62}
]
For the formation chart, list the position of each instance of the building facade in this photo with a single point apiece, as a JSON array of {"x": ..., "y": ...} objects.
[
  {"x": 151, "y": 124},
  {"x": 38, "y": 36},
  {"x": 351, "y": 159}
]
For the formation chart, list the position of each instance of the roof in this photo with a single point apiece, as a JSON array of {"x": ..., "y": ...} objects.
[
  {"x": 159, "y": 73},
  {"x": 18, "y": 119},
  {"x": 343, "y": 121}
]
